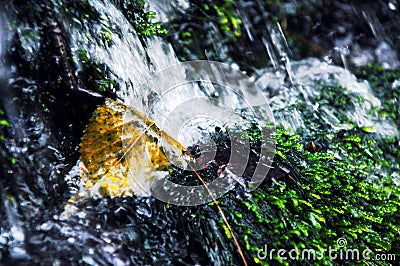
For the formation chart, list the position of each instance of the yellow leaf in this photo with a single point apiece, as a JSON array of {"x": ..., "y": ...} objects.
[{"x": 122, "y": 150}]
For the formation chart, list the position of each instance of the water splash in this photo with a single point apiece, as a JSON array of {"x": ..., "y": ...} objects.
[
  {"x": 109, "y": 233},
  {"x": 129, "y": 61},
  {"x": 310, "y": 74}
]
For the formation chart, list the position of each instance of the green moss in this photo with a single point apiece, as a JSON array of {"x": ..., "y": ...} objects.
[
  {"x": 327, "y": 198},
  {"x": 226, "y": 229},
  {"x": 106, "y": 37},
  {"x": 382, "y": 84},
  {"x": 228, "y": 19},
  {"x": 204, "y": 27},
  {"x": 141, "y": 18},
  {"x": 347, "y": 185},
  {"x": 95, "y": 74},
  {"x": 336, "y": 96},
  {"x": 3, "y": 123},
  {"x": 221, "y": 13}
]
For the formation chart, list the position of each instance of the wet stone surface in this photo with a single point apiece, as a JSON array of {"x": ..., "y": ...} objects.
[{"x": 335, "y": 173}]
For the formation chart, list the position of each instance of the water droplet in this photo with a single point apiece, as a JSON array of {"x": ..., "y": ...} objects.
[
  {"x": 46, "y": 226},
  {"x": 144, "y": 210},
  {"x": 17, "y": 233},
  {"x": 392, "y": 6},
  {"x": 89, "y": 260},
  {"x": 3, "y": 240},
  {"x": 109, "y": 249}
]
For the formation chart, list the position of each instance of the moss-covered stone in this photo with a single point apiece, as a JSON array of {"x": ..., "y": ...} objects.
[
  {"x": 338, "y": 184},
  {"x": 349, "y": 191}
]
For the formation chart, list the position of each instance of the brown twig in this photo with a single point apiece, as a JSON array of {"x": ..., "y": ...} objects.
[{"x": 222, "y": 214}]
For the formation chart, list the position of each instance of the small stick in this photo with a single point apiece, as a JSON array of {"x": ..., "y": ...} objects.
[{"x": 222, "y": 214}]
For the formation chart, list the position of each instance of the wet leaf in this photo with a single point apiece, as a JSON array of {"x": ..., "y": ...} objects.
[{"x": 122, "y": 151}]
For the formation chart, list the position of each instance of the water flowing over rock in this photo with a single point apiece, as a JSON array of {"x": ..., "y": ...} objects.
[{"x": 336, "y": 167}]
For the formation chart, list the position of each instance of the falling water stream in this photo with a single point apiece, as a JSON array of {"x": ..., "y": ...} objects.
[{"x": 42, "y": 141}]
